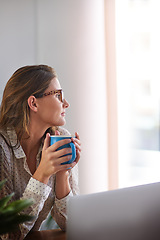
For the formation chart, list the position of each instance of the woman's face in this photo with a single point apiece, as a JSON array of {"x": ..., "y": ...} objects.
[{"x": 51, "y": 111}]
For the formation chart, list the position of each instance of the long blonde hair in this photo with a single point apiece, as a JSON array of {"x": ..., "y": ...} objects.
[{"x": 26, "y": 81}]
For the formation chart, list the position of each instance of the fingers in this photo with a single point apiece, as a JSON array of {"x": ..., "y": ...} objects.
[
  {"x": 60, "y": 166},
  {"x": 64, "y": 159},
  {"x": 60, "y": 156},
  {"x": 77, "y": 142},
  {"x": 67, "y": 166},
  {"x": 77, "y": 135},
  {"x": 64, "y": 155},
  {"x": 62, "y": 152},
  {"x": 59, "y": 144}
]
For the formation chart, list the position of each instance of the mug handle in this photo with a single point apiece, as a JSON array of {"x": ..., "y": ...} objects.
[{"x": 73, "y": 152}]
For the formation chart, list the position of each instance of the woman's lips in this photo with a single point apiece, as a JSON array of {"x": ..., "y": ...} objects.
[{"x": 63, "y": 114}]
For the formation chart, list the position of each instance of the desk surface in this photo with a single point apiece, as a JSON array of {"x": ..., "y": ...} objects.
[{"x": 55, "y": 234}]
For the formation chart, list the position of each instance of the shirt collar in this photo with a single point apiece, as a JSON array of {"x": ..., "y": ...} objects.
[{"x": 17, "y": 148}]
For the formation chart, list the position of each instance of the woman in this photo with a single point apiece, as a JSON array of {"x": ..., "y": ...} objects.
[{"x": 33, "y": 107}]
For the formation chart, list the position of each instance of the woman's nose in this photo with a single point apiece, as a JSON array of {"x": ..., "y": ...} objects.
[{"x": 65, "y": 103}]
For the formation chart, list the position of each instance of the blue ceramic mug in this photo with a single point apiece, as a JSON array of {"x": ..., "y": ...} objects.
[{"x": 56, "y": 138}]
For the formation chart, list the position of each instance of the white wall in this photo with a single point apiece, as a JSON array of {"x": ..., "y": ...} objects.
[
  {"x": 68, "y": 35},
  {"x": 17, "y": 36}
]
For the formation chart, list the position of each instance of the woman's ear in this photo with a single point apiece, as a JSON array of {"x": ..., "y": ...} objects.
[{"x": 32, "y": 103}]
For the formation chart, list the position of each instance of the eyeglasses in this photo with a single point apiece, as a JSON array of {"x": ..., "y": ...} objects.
[{"x": 59, "y": 94}]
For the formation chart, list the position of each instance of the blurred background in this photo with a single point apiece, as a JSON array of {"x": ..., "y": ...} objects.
[{"x": 106, "y": 54}]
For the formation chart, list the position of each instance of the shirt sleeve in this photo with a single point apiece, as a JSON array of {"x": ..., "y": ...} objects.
[
  {"x": 36, "y": 190},
  {"x": 39, "y": 192},
  {"x": 59, "y": 210}
]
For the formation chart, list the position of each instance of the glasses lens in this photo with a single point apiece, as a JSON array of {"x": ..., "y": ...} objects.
[{"x": 60, "y": 95}]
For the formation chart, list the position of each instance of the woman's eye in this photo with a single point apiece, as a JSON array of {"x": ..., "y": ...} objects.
[{"x": 58, "y": 96}]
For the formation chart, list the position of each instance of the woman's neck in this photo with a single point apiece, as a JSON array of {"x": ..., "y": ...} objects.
[{"x": 32, "y": 143}]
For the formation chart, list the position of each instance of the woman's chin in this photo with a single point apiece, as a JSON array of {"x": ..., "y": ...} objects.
[{"x": 62, "y": 122}]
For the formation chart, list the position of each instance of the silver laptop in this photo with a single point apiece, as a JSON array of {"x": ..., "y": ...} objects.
[{"x": 124, "y": 214}]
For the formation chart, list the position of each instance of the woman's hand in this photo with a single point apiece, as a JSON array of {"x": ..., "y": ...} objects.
[
  {"x": 77, "y": 144},
  {"x": 51, "y": 160}
]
